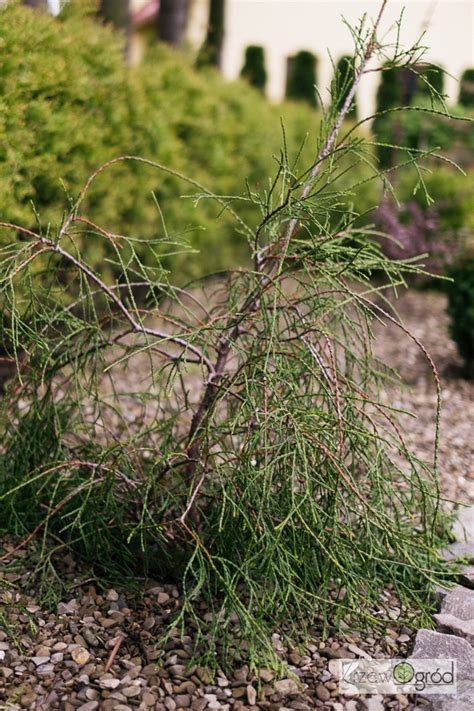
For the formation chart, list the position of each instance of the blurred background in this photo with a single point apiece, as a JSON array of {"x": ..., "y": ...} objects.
[{"x": 203, "y": 86}]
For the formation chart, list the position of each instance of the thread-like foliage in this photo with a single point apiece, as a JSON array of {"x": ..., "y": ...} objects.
[
  {"x": 232, "y": 434},
  {"x": 343, "y": 79}
]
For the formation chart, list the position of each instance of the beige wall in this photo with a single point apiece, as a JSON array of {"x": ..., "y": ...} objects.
[{"x": 284, "y": 27}]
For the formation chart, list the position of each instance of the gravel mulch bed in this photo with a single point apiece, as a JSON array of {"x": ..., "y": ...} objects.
[
  {"x": 424, "y": 314},
  {"x": 97, "y": 649}
]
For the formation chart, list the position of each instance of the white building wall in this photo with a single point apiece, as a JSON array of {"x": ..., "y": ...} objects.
[{"x": 283, "y": 27}]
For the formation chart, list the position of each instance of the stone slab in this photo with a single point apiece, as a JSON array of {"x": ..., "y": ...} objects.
[
  {"x": 453, "y": 625},
  {"x": 438, "y": 645},
  {"x": 463, "y": 700},
  {"x": 463, "y": 527},
  {"x": 466, "y": 576},
  {"x": 460, "y": 549},
  {"x": 460, "y": 603}
]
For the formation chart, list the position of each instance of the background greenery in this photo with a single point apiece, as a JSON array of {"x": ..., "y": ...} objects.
[{"x": 68, "y": 104}]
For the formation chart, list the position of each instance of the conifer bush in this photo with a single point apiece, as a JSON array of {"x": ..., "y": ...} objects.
[
  {"x": 419, "y": 85},
  {"x": 466, "y": 92},
  {"x": 253, "y": 69},
  {"x": 231, "y": 433},
  {"x": 301, "y": 79},
  {"x": 430, "y": 77}
]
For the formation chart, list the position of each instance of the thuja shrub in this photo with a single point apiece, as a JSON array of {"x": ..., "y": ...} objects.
[
  {"x": 301, "y": 79},
  {"x": 426, "y": 131},
  {"x": 430, "y": 77},
  {"x": 253, "y": 69},
  {"x": 232, "y": 434}
]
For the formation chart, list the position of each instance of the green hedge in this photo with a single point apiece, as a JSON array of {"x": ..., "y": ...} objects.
[{"x": 69, "y": 104}]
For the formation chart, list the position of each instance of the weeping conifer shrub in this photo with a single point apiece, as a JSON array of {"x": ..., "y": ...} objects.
[{"x": 232, "y": 435}]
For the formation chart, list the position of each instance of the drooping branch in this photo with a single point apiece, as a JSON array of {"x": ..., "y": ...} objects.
[
  {"x": 251, "y": 304},
  {"x": 135, "y": 324},
  {"x": 282, "y": 245}
]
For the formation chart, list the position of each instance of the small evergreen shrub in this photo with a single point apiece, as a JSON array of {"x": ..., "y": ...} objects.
[
  {"x": 253, "y": 69},
  {"x": 301, "y": 79},
  {"x": 461, "y": 308},
  {"x": 389, "y": 96},
  {"x": 466, "y": 93},
  {"x": 390, "y": 89},
  {"x": 232, "y": 434}
]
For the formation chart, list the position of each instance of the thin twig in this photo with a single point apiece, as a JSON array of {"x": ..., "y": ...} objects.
[
  {"x": 190, "y": 505},
  {"x": 113, "y": 653},
  {"x": 136, "y": 325},
  {"x": 251, "y": 304},
  {"x": 282, "y": 245}
]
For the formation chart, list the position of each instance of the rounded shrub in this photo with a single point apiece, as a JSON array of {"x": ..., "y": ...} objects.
[
  {"x": 301, "y": 79},
  {"x": 432, "y": 219},
  {"x": 253, "y": 69}
]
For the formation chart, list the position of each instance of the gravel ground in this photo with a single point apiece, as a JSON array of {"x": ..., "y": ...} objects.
[
  {"x": 65, "y": 659},
  {"x": 424, "y": 314},
  {"x": 96, "y": 649}
]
